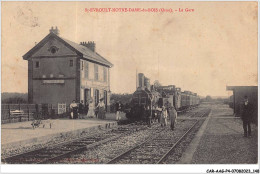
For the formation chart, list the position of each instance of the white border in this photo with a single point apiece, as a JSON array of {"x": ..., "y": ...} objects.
[
  {"x": 113, "y": 169},
  {"x": 101, "y": 168}
]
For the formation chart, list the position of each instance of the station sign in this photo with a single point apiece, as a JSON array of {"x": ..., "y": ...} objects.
[{"x": 53, "y": 81}]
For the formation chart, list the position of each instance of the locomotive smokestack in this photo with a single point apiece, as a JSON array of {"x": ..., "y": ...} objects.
[
  {"x": 141, "y": 80},
  {"x": 147, "y": 83}
]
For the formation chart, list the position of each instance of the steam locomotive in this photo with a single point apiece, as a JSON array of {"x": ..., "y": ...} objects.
[{"x": 148, "y": 98}]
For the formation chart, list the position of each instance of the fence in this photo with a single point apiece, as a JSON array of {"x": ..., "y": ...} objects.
[{"x": 11, "y": 113}]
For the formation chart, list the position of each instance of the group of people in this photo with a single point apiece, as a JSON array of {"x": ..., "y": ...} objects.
[
  {"x": 162, "y": 114},
  {"x": 168, "y": 112},
  {"x": 78, "y": 110}
]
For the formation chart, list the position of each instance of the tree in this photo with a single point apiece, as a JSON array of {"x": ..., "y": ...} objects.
[{"x": 208, "y": 98}]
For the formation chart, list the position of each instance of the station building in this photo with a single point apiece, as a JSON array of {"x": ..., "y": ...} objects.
[
  {"x": 239, "y": 92},
  {"x": 60, "y": 71}
]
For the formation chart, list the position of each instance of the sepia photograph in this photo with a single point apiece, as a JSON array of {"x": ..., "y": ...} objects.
[{"x": 172, "y": 84}]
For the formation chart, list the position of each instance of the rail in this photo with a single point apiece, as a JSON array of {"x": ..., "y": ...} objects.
[
  {"x": 47, "y": 155},
  {"x": 179, "y": 140},
  {"x": 153, "y": 138}
]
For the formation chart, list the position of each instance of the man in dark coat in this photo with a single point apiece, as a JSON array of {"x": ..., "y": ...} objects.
[
  {"x": 173, "y": 116},
  {"x": 81, "y": 109},
  {"x": 246, "y": 117}
]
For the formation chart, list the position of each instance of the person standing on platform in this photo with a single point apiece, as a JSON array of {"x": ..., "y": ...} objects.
[
  {"x": 118, "y": 110},
  {"x": 173, "y": 116},
  {"x": 247, "y": 117},
  {"x": 101, "y": 109},
  {"x": 91, "y": 110},
  {"x": 74, "y": 110},
  {"x": 81, "y": 109}
]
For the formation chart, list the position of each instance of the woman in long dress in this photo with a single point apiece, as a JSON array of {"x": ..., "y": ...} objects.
[
  {"x": 91, "y": 112},
  {"x": 101, "y": 109}
]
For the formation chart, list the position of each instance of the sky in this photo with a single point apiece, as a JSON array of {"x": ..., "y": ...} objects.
[{"x": 201, "y": 51}]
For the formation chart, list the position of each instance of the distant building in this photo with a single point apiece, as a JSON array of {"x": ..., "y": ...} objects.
[
  {"x": 239, "y": 92},
  {"x": 60, "y": 71}
]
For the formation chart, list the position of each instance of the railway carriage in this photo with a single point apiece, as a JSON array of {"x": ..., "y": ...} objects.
[{"x": 183, "y": 100}]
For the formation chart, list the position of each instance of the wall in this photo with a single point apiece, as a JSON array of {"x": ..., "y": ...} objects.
[
  {"x": 90, "y": 82},
  {"x": 54, "y": 93},
  {"x": 52, "y": 66},
  {"x": 58, "y": 67}
]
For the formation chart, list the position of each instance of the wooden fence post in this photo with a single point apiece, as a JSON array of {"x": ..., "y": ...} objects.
[
  {"x": 9, "y": 112},
  {"x": 28, "y": 112},
  {"x": 36, "y": 115},
  {"x": 19, "y": 106}
]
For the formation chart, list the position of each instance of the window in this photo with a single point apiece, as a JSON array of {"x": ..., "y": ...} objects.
[
  {"x": 105, "y": 74},
  {"x": 96, "y": 97},
  {"x": 37, "y": 64},
  {"x": 86, "y": 70},
  {"x": 82, "y": 65},
  {"x": 53, "y": 50},
  {"x": 71, "y": 63},
  {"x": 96, "y": 71}
]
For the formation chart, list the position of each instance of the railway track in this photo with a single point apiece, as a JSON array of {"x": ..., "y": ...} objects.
[
  {"x": 163, "y": 141},
  {"x": 157, "y": 147},
  {"x": 50, "y": 154}
]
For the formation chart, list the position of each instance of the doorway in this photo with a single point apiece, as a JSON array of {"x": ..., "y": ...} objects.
[{"x": 87, "y": 95}]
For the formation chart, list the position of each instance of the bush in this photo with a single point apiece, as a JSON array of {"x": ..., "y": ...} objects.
[{"x": 14, "y": 100}]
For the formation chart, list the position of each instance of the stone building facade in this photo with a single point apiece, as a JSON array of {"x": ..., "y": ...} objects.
[{"x": 60, "y": 71}]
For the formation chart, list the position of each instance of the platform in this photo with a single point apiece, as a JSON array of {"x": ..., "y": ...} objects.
[
  {"x": 220, "y": 140},
  {"x": 20, "y": 134}
]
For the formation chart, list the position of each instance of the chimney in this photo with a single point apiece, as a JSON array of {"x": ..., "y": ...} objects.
[
  {"x": 141, "y": 80},
  {"x": 90, "y": 45},
  {"x": 55, "y": 30}
]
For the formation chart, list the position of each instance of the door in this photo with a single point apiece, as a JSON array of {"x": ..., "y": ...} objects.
[{"x": 87, "y": 95}]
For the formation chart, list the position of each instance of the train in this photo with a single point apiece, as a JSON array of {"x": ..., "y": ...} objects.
[{"x": 148, "y": 98}]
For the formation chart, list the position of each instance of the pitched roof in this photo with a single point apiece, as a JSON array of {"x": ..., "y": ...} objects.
[
  {"x": 82, "y": 50},
  {"x": 88, "y": 53}
]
